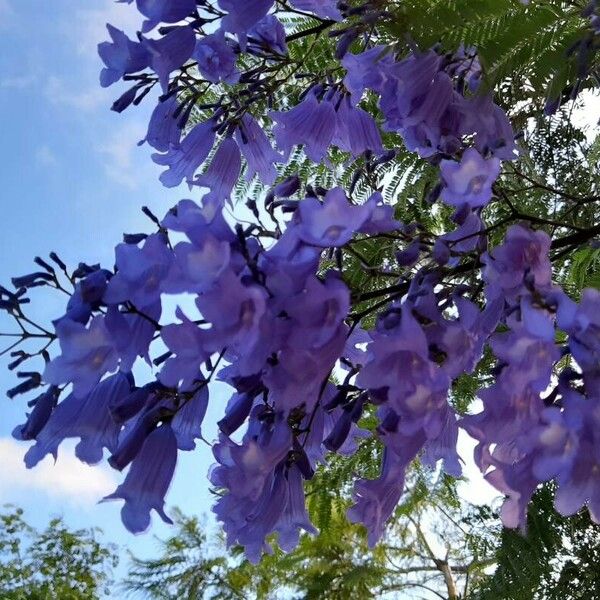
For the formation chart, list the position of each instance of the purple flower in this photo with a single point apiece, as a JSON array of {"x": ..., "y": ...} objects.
[
  {"x": 245, "y": 469},
  {"x": 443, "y": 446},
  {"x": 236, "y": 412},
  {"x": 494, "y": 133},
  {"x": 197, "y": 222},
  {"x": 196, "y": 268},
  {"x": 368, "y": 70},
  {"x": 121, "y": 57},
  {"x": 165, "y": 11},
  {"x": 461, "y": 340},
  {"x": 331, "y": 223},
  {"x": 407, "y": 87},
  {"x": 376, "y": 500},
  {"x": 140, "y": 272},
  {"x": 257, "y": 150},
  {"x": 188, "y": 344},
  {"x": 170, "y": 52},
  {"x": 431, "y": 127},
  {"x": 469, "y": 181},
  {"x": 86, "y": 297},
  {"x": 356, "y": 130},
  {"x": 381, "y": 217},
  {"x": 187, "y": 423},
  {"x": 513, "y": 477},
  {"x": 419, "y": 393},
  {"x": 523, "y": 256},
  {"x": 269, "y": 34},
  {"x": 326, "y": 9},
  {"x": 318, "y": 311},
  {"x": 43, "y": 406},
  {"x": 185, "y": 159},
  {"x": 467, "y": 67},
  {"x": 466, "y": 238},
  {"x": 148, "y": 480},
  {"x": 243, "y": 15},
  {"x": 235, "y": 311},
  {"x": 294, "y": 516},
  {"x": 154, "y": 408},
  {"x": 311, "y": 123},
  {"x": 164, "y": 131},
  {"x": 132, "y": 333},
  {"x": 216, "y": 59},
  {"x": 556, "y": 441},
  {"x": 582, "y": 323},
  {"x": 579, "y": 479},
  {"x": 295, "y": 381},
  {"x": 257, "y": 520},
  {"x": 88, "y": 418},
  {"x": 86, "y": 355},
  {"x": 127, "y": 407},
  {"x": 222, "y": 173}
]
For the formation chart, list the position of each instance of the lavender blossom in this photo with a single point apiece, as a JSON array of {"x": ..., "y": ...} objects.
[
  {"x": 187, "y": 422},
  {"x": 243, "y": 15},
  {"x": 185, "y": 159},
  {"x": 170, "y": 52},
  {"x": 257, "y": 150},
  {"x": 87, "y": 353},
  {"x": 222, "y": 173},
  {"x": 522, "y": 257},
  {"x": 140, "y": 272},
  {"x": 148, "y": 480},
  {"x": 311, "y": 123},
  {"x": 470, "y": 181},
  {"x": 165, "y": 11},
  {"x": 216, "y": 59},
  {"x": 121, "y": 57},
  {"x": 356, "y": 130},
  {"x": 332, "y": 223},
  {"x": 164, "y": 131},
  {"x": 88, "y": 418},
  {"x": 269, "y": 34},
  {"x": 326, "y": 9}
]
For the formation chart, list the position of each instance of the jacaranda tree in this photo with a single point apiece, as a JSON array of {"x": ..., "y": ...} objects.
[{"x": 384, "y": 218}]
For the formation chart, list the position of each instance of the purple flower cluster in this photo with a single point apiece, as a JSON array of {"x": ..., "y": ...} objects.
[
  {"x": 279, "y": 320},
  {"x": 415, "y": 353},
  {"x": 528, "y": 434},
  {"x": 266, "y": 312}
]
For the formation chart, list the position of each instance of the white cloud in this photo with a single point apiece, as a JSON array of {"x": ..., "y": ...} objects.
[
  {"x": 119, "y": 152},
  {"x": 68, "y": 480},
  {"x": 18, "y": 82},
  {"x": 56, "y": 90}
]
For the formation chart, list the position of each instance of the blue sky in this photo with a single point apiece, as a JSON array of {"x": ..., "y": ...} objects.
[{"x": 73, "y": 179}]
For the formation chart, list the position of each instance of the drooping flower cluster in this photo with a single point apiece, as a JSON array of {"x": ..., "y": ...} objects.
[
  {"x": 279, "y": 319},
  {"x": 534, "y": 424}
]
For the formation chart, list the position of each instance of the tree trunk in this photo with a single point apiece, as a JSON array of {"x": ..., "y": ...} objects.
[{"x": 444, "y": 567}]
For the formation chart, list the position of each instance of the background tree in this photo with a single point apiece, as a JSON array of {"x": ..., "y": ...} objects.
[
  {"x": 436, "y": 546},
  {"x": 57, "y": 563}
]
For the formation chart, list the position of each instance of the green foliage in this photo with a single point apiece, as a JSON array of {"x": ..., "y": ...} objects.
[
  {"x": 187, "y": 567},
  {"x": 430, "y": 529},
  {"x": 513, "y": 40},
  {"x": 54, "y": 564},
  {"x": 556, "y": 559}
]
